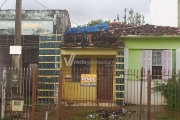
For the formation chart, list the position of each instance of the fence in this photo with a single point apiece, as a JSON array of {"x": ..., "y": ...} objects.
[
  {"x": 146, "y": 94},
  {"x": 16, "y": 86},
  {"x": 92, "y": 93}
]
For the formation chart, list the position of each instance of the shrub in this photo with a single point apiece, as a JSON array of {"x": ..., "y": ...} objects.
[{"x": 171, "y": 92}]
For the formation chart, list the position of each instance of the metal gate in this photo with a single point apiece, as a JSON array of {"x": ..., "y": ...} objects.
[{"x": 16, "y": 97}]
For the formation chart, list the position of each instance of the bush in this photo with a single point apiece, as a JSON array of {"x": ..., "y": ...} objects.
[{"x": 171, "y": 92}]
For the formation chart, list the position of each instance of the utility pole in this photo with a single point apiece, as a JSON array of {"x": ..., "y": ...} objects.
[{"x": 17, "y": 58}]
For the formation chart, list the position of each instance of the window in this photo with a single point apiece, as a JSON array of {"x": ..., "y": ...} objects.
[
  {"x": 156, "y": 64},
  {"x": 80, "y": 66},
  {"x": 159, "y": 62}
]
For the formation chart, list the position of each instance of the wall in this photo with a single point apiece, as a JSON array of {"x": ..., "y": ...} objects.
[
  {"x": 35, "y": 22},
  {"x": 134, "y": 46},
  {"x": 72, "y": 90}
]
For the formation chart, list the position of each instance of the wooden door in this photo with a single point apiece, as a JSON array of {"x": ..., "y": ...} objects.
[{"x": 105, "y": 79}]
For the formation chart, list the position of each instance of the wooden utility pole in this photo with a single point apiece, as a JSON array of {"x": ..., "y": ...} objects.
[
  {"x": 148, "y": 96},
  {"x": 17, "y": 59}
]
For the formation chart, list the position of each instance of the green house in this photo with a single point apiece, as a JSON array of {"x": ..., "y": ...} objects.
[{"x": 149, "y": 47}]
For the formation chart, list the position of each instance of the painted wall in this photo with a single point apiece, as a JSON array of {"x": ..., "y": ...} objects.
[
  {"x": 35, "y": 21},
  {"x": 73, "y": 90},
  {"x": 134, "y": 46}
]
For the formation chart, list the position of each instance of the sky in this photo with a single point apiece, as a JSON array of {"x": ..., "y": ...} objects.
[{"x": 82, "y": 11}]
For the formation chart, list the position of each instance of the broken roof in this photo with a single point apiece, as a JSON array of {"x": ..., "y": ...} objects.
[{"x": 143, "y": 30}]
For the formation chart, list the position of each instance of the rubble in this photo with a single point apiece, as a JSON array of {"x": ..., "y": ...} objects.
[{"x": 105, "y": 114}]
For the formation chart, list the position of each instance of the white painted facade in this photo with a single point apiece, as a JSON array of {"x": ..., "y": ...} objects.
[{"x": 164, "y": 12}]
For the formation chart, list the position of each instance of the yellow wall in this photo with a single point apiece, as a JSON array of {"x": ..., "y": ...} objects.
[
  {"x": 87, "y": 51},
  {"x": 73, "y": 90}
]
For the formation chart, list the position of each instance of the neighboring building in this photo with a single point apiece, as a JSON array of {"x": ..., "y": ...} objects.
[
  {"x": 150, "y": 47},
  {"x": 35, "y": 24},
  {"x": 99, "y": 47},
  {"x": 165, "y": 12}
]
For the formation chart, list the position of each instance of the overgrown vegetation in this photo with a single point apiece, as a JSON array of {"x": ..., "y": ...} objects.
[
  {"x": 6, "y": 117},
  {"x": 171, "y": 92},
  {"x": 28, "y": 101},
  {"x": 132, "y": 18}
]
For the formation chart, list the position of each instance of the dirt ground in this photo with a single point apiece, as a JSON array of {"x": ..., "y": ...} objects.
[{"x": 78, "y": 113}]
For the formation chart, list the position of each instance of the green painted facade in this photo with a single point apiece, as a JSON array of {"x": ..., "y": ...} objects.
[{"x": 136, "y": 44}]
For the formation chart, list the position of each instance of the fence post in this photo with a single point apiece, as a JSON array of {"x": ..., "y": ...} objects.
[
  {"x": 3, "y": 93},
  {"x": 34, "y": 88},
  {"x": 60, "y": 94},
  {"x": 141, "y": 93},
  {"x": 148, "y": 95}
]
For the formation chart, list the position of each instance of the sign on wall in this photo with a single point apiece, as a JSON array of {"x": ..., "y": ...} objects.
[
  {"x": 88, "y": 79},
  {"x": 28, "y": 27}
]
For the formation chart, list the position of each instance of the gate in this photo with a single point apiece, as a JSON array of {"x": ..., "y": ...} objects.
[{"x": 16, "y": 98}]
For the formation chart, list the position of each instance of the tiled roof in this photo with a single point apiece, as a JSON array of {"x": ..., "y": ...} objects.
[
  {"x": 110, "y": 36},
  {"x": 143, "y": 30}
]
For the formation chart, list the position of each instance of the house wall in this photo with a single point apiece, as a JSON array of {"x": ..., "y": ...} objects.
[
  {"x": 73, "y": 90},
  {"x": 134, "y": 46}
]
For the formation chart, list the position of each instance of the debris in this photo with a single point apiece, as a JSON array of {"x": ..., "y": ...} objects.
[{"x": 105, "y": 114}]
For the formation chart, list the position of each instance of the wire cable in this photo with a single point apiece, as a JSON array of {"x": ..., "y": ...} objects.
[
  {"x": 3, "y": 4},
  {"x": 50, "y": 9}
]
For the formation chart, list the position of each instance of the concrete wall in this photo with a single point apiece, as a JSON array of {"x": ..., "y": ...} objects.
[
  {"x": 132, "y": 93},
  {"x": 35, "y": 21}
]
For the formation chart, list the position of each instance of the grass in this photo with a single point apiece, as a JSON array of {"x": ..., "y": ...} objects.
[{"x": 164, "y": 117}]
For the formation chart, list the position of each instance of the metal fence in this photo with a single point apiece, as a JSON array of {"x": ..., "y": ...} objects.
[
  {"x": 85, "y": 93},
  {"x": 147, "y": 95},
  {"x": 16, "y": 86}
]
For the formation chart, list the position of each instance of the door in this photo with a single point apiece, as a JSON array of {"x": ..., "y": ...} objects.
[{"x": 105, "y": 78}]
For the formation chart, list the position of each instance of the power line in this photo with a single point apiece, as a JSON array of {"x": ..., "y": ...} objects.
[
  {"x": 42, "y": 4},
  {"x": 50, "y": 9},
  {"x": 3, "y": 4}
]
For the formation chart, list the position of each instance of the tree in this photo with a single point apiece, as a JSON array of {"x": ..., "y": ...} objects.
[
  {"x": 133, "y": 19},
  {"x": 94, "y": 22}
]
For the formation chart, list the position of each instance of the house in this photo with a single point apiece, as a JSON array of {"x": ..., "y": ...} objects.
[
  {"x": 150, "y": 47},
  {"x": 92, "y": 53}
]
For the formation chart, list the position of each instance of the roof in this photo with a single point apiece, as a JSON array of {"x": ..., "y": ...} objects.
[
  {"x": 110, "y": 36},
  {"x": 143, "y": 30}
]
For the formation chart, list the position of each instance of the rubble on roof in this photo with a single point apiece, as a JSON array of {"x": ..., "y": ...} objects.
[{"x": 109, "y": 35}]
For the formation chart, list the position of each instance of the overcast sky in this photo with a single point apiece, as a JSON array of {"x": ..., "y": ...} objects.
[{"x": 82, "y": 11}]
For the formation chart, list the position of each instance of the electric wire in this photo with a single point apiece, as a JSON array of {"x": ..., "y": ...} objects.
[
  {"x": 50, "y": 9},
  {"x": 3, "y": 4}
]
